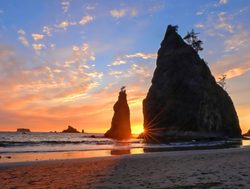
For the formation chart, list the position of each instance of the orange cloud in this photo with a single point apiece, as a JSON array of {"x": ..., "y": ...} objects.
[
  {"x": 37, "y": 36},
  {"x": 233, "y": 65}
]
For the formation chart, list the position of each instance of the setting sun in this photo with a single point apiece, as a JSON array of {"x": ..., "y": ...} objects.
[{"x": 137, "y": 129}]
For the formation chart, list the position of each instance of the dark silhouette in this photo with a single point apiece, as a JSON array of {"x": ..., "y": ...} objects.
[
  {"x": 184, "y": 101},
  {"x": 70, "y": 129},
  {"x": 23, "y": 130},
  {"x": 248, "y": 133},
  {"x": 120, "y": 126},
  {"x": 192, "y": 39}
]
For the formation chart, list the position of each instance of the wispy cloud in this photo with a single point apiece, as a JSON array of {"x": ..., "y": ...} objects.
[
  {"x": 37, "y": 36},
  {"x": 38, "y": 46},
  {"x": 223, "y": 22},
  {"x": 237, "y": 41},
  {"x": 47, "y": 30},
  {"x": 48, "y": 82},
  {"x": 236, "y": 72},
  {"x": 199, "y": 25},
  {"x": 118, "y": 62},
  {"x": 233, "y": 65},
  {"x": 65, "y": 6},
  {"x": 142, "y": 55},
  {"x": 22, "y": 38},
  {"x": 86, "y": 19},
  {"x": 157, "y": 7},
  {"x": 223, "y": 2},
  {"x": 119, "y": 13},
  {"x": 115, "y": 73},
  {"x": 90, "y": 7},
  {"x": 199, "y": 13},
  {"x": 63, "y": 25}
]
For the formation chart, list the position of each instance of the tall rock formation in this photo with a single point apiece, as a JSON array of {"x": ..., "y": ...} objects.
[
  {"x": 184, "y": 101},
  {"x": 120, "y": 126}
]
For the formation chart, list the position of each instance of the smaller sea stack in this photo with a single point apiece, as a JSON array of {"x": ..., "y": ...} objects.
[
  {"x": 70, "y": 129},
  {"x": 120, "y": 125},
  {"x": 23, "y": 130}
]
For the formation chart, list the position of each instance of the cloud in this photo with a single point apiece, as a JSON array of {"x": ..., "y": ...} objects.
[
  {"x": 65, "y": 6},
  {"x": 223, "y": 2},
  {"x": 142, "y": 55},
  {"x": 157, "y": 7},
  {"x": 118, "y": 62},
  {"x": 199, "y": 13},
  {"x": 237, "y": 41},
  {"x": 199, "y": 26},
  {"x": 63, "y": 25},
  {"x": 236, "y": 72},
  {"x": 86, "y": 19},
  {"x": 119, "y": 13},
  {"x": 223, "y": 22},
  {"x": 37, "y": 36},
  {"x": 22, "y": 38},
  {"x": 48, "y": 83},
  {"x": 233, "y": 66},
  {"x": 130, "y": 58},
  {"x": 116, "y": 74},
  {"x": 47, "y": 30},
  {"x": 140, "y": 70},
  {"x": 90, "y": 7},
  {"x": 38, "y": 46},
  {"x": 138, "y": 67},
  {"x": 220, "y": 24},
  {"x": 52, "y": 95}
]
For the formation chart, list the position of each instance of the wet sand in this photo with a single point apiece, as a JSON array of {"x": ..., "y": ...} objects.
[{"x": 218, "y": 168}]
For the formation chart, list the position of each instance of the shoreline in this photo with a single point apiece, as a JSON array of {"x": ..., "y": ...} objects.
[
  {"x": 128, "y": 156},
  {"x": 219, "y": 168},
  {"x": 11, "y": 157}
]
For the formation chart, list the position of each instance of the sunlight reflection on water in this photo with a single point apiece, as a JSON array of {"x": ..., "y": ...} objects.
[
  {"x": 245, "y": 142},
  {"x": 120, "y": 148}
]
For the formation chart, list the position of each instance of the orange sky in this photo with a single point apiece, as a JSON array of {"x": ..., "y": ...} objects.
[{"x": 66, "y": 67}]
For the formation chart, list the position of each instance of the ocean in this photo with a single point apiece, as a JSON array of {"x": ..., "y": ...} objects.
[{"x": 33, "y": 146}]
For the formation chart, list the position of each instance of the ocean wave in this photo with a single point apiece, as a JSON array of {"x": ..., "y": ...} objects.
[{"x": 37, "y": 143}]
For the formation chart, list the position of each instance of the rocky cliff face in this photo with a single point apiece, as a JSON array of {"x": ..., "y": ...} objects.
[
  {"x": 120, "y": 126},
  {"x": 184, "y": 100}
]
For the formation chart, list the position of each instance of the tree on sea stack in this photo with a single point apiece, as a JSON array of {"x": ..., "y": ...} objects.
[
  {"x": 193, "y": 40},
  {"x": 120, "y": 125}
]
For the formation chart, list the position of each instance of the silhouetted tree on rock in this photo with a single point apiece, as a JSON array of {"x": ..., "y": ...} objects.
[
  {"x": 222, "y": 81},
  {"x": 192, "y": 39}
]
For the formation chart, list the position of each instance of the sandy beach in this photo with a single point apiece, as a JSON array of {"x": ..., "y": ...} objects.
[{"x": 220, "y": 168}]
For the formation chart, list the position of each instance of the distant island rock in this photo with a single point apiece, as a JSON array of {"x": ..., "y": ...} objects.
[
  {"x": 184, "y": 101},
  {"x": 120, "y": 125},
  {"x": 23, "y": 130},
  {"x": 70, "y": 129}
]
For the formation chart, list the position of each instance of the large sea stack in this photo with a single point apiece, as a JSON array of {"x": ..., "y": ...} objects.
[
  {"x": 120, "y": 125},
  {"x": 184, "y": 101}
]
